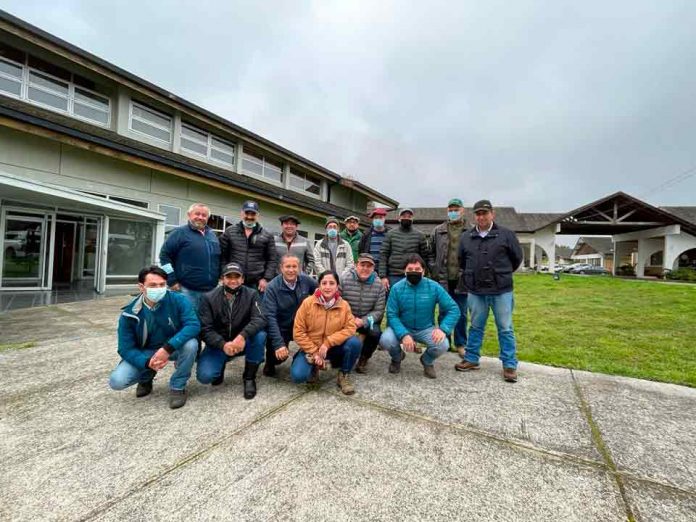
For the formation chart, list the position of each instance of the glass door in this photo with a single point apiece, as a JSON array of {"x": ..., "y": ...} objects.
[{"x": 23, "y": 250}]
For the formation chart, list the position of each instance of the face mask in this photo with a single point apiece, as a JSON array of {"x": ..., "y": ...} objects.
[
  {"x": 378, "y": 223},
  {"x": 231, "y": 291},
  {"x": 406, "y": 223},
  {"x": 155, "y": 294},
  {"x": 414, "y": 277},
  {"x": 332, "y": 233},
  {"x": 248, "y": 224},
  {"x": 453, "y": 215}
]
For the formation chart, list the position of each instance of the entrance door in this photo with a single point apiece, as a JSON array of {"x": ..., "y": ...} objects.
[
  {"x": 23, "y": 251},
  {"x": 64, "y": 252}
]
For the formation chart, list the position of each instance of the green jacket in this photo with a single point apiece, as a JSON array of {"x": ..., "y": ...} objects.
[{"x": 353, "y": 241}]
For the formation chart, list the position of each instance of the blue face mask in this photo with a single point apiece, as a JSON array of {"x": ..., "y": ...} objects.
[
  {"x": 155, "y": 294},
  {"x": 453, "y": 215},
  {"x": 332, "y": 233},
  {"x": 378, "y": 223}
]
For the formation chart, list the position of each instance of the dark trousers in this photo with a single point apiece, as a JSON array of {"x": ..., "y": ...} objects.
[
  {"x": 371, "y": 340},
  {"x": 459, "y": 332},
  {"x": 271, "y": 359}
]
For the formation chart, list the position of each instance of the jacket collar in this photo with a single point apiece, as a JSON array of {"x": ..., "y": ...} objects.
[{"x": 493, "y": 232}]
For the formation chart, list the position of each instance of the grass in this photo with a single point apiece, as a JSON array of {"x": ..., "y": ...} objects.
[
  {"x": 601, "y": 324},
  {"x": 16, "y": 346}
]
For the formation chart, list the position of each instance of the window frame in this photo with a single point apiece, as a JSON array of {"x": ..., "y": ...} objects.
[
  {"x": 167, "y": 227},
  {"x": 133, "y": 103},
  {"x": 209, "y": 145},
  {"x": 303, "y": 176},
  {"x": 253, "y": 158}
]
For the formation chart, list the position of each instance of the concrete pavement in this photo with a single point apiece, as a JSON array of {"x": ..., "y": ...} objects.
[{"x": 558, "y": 445}]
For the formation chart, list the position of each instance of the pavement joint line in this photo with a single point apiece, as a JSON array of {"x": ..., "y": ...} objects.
[
  {"x": 189, "y": 459},
  {"x": 601, "y": 446}
]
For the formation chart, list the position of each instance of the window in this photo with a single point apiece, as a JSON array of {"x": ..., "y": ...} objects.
[
  {"x": 305, "y": 183},
  {"x": 127, "y": 201},
  {"x": 262, "y": 167},
  {"x": 39, "y": 82},
  {"x": 150, "y": 122},
  {"x": 130, "y": 249},
  {"x": 218, "y": 223},
  {"x": 204, "y": 144},
  {"x": 173, "y": 217}
]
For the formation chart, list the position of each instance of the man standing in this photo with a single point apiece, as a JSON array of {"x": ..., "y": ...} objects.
[
  {"x": 488, "y": 255},
  {"x": 282, "y": 298},
  {"x": 332, "y": 252},
  {"x": 156, "y": 327},
  {"x": 398, "y": 245},
  {"x": 410, "y": 312},
  {"x": 446, "y": 271},
  {"x": 352, "y": 235},
  {"x": 191, "y": 256},
  {"x": 251, "y": 246},
  {"x": 366, "y": 295},
  {"x": 372, "y": 240},
  {"x": 231, "y": 325},
  {"x": 290, "y": 242}
]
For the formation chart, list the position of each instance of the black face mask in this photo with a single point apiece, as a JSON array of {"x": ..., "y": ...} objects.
[
  {"x": 406, "y": 224},
  {"x": 414, "y": 277}
]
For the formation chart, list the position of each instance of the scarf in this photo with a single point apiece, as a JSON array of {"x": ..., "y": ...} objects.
[{"x": 324, "y": 302}]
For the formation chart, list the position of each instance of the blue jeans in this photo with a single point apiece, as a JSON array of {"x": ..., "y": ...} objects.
[
  {"x": 193, "y": 296},
  {"x": 212, "y": 361},
  {"x": 389, "y": 342},
  {"x": 459, "y": 332},
  {"x": 125, "y": 374},
  {"x": 502, "y": 306},
  {"x": 344, "y": 355}
]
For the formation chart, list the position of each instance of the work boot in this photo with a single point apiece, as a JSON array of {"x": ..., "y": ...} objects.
[
  {"x": 217, "y": 381},
  {"x": 343, "y": 382},
  {"x": 269, "y": 370},
  {"x": 466, "y": 366},
  {"x": 177, "y": 398},
  {"x": 143, "y": 389},
  {"x": 510, "y": 374},
  {"x": 249, "y": 378},
  {"x": 428, "y": 371},
  {"x": 361, "y": 367},
  {"x": 314, "y": 376},
  {"x": 395, "y": 366}
]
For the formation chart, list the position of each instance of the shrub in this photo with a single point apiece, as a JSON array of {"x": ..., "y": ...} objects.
[
  {"x": 682, "y": 274},
  {"x": 626, "y": 270}
]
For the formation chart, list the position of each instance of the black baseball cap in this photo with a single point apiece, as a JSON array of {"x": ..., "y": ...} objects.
[
  {"x": 289, "y": 217},
  {"x": 232, "y": 268},
  {"x": 483, "y": 204}
]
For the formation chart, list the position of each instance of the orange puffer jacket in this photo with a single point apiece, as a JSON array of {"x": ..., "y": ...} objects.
[{"x": 315, "y": 325}]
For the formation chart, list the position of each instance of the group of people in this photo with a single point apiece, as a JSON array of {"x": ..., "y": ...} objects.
[{"x": 250, "y": 293}]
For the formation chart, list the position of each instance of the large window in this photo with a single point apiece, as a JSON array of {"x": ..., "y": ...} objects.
[
  {"x": 206, "y": 145},
  {"x": 130, "y": 249},
  {"x": 262, "y": 167},
  {"x": 303, "y": 182},
  {"x": 150, "y": 122},
  {"x": 36, "y": 81},
  {"x": 173, "y": 217}
]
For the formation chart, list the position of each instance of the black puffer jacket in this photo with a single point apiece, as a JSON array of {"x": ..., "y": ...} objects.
[
  {"x": 221, "y": 322},
  {"x": 488, "y": 262},
  {"x": 398, "y": 245},
  {"x": 255, "y": 254}
]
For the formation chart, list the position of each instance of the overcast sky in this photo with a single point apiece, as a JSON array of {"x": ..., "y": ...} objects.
[{"x": 544, "y": 106}]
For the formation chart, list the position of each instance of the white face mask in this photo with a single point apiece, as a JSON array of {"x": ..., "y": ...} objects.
[{"x": 155, "y": 294}]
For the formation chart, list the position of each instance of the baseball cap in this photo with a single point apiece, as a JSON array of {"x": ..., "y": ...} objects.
[
  {"x": 250, "y": 206},
  {"x": 378, "y": 212},
  {"x": 483, "y": 204},
  {"x": 455, "y": 202},
  {"x": 289, "y": 217},
  {"x": 232, "y": 268},
  {"x": 366, "y": 256},
  {"x": 404, "y": 210}
]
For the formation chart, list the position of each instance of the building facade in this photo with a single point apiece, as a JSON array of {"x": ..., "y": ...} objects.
[{"x": 96, "y": 165}]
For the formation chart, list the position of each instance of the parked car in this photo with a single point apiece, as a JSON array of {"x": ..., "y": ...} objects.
[
  {"x": 570, "y": 268},
  {"x": 590, "y": 269}
]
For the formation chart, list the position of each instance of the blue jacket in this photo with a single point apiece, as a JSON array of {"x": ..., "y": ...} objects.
[
  {"x": 174, "y": 314},
  {"x": 412, "y": 307},
  {"x": 280, "y": 304},
  {"x": 191, "y": 258}
]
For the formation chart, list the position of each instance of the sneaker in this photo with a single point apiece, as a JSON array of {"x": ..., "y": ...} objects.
[
  {"x": 343, "y": 382},
  {"x": 361, "y": 367},
  {"x": 466, "y": 366},
  {"x": 428, "y": 371},
  {"x": 143, "y": 389},
  {"x": 314, "y": 377},
  {"x": 269, "y": 370},
  {"x": 177, "y": 398},
  {"x": 510, "y": 374}
]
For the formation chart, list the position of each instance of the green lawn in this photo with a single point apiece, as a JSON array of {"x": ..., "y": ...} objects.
[{"x": 601, "y": 324}]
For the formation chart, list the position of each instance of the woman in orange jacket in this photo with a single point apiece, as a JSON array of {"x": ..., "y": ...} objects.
[{"x": 325, "y": 331}]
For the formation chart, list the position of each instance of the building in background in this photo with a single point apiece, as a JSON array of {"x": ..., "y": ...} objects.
[{"x": 96, "y": 165}]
